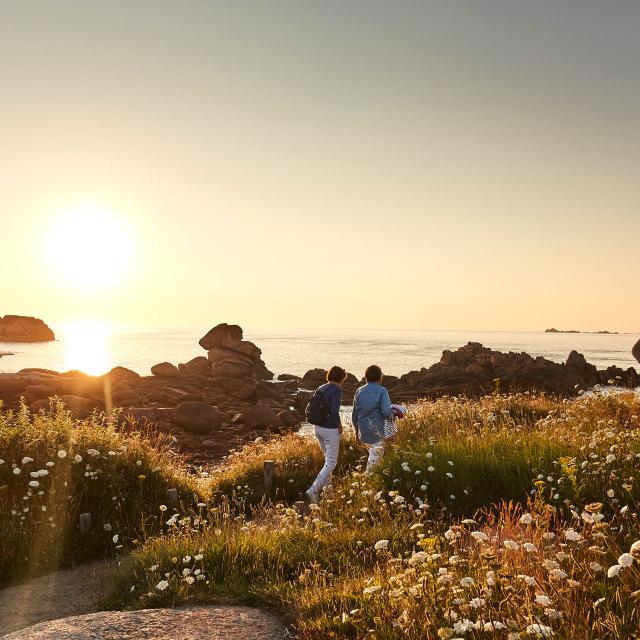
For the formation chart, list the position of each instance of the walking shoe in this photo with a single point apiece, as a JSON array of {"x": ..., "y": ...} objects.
[{"x": 312, "y": 496}]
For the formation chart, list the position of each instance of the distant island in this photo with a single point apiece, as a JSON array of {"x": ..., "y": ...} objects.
[
  {"x": 24, "y": 329},
  {"x": 553, "y": 330}
]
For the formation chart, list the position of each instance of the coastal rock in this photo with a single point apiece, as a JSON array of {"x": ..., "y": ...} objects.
[
  {"x": 125, "y": 398},
  {"x": 288, "y": 377},
  {"x": 24, "y": 329},
  {"x": 257, "y": 416},
  {"x": 221, "y": 335},
  {"x": 121, "y": 373},
  {"x": 197, "y": 417},
  {"x": 474, "y": 370},
  {"x": 78, "y": 406},
  {"x": 198, "y": 366},
  {"x": 165, "y": 370},
  {"x": 11, "y": 382}
]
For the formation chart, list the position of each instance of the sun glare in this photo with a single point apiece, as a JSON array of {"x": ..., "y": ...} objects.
[
  {"x": 90, "y": 247},
  {"x": 87, "y": 347}
]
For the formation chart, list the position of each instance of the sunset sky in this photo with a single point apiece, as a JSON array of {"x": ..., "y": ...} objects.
[{"x": 397, "y": 165}]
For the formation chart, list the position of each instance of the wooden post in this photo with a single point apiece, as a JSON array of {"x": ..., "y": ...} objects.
[
  {"x": 268, "y": 475},
  {"x": 300, "y": 506},
  {"x": 172, "y": 495},
  {"x": 85, "y": 523}
]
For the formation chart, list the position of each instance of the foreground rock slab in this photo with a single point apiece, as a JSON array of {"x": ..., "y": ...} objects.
[{"x": 196, "y": 623}]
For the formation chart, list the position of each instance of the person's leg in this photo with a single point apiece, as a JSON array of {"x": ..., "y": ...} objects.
[
  {"x": 329, "y": 440},
  {"x": 376, "y": 451}
]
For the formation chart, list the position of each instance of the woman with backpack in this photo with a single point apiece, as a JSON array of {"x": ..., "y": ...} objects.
[{"x": 323, "y": 412}]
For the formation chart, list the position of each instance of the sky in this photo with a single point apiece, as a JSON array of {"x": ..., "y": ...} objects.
[{"x": 363, "y": 164}]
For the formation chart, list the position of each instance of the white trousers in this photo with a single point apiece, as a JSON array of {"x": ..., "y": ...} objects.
[
  {"x": 329, "y": 441},
  {"x": 376, "y": 451}
]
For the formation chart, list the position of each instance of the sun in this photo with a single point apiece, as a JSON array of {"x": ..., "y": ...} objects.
[{"x": 90, "y": 247}]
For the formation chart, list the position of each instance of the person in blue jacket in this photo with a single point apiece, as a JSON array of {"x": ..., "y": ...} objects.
[
  {"x": 328, "y": 433},
  {"x": 371, "y": 407}
]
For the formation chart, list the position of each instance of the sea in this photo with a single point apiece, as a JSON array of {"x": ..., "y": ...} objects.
[{"x": 95, "y": 348}]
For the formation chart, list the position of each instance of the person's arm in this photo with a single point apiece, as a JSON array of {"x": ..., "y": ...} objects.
[
  {"x": 385, "y": 404},
  {"x": 335, "y": 407},
  {"x": 354, "y": 416},
  {"x": 636, "y": 351}
]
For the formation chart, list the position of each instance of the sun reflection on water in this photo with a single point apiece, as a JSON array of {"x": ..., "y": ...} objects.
[{"x": 87, "y": 347}]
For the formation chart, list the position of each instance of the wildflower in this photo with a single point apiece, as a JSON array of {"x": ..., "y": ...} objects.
[
  {"x": 480, "y": 536},
  {"x": 367, "y": 591},
  {"x": 572, "y": 536},
  {"x": 468, "y": 521},
  {"x": 477, "y": 603},
  {"x": 526, "y": 518},
  {"x": 162, "y": 585},
  {"x": 186, "y": 560},
  {"x": 16, "y": 471},
  {"x": 613, "y": 571},
  {"x": 529, "y": 547},
  {"x": 62, "y": 454},
  {"x": 34, "y": 483},
  {"x": 594, "y": 566},
  {"x": 189, "y": 579},
  {"x": 467, "y": 582},
  {"x": 93, "y": 452},
  {"x": 530, "y": 580},
  {"x": 77, "y": 458},
  {"x": 635, "y": 547},
  {"x": 431, "y": 469},
  {"x": 163, "y": 507},
  {"x": 27, "y": 460},
  {"x": 557, "y": 574},
  {"x": 539, "y": 630},
  {"x": 115, "y": 538},
  {"x": 381, "y": 544},
  {"x": 625, "y": 560},
  {"x": 511, "y": 545},
  {"x": 543, "y": 600}
]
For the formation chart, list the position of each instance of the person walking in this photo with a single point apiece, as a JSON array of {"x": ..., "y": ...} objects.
[
  {"x": 371, "y": 408},
  {"x": 323, "y": 411}
]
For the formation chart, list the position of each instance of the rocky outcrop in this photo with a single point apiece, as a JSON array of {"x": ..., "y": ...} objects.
[
  {"x": 197, "y": 402},
  {"x": 165, "y": 370},
  {"x": 230, "y": 356},
  {"x": 24, "y": 329},
  {"x": 474, "y": 370}
]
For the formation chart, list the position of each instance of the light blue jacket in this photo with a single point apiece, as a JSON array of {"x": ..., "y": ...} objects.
[{"x": 371, "y": 406}]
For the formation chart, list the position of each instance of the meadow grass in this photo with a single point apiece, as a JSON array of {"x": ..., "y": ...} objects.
[
  {"x": 508, "y": 517},
  {"x": 533, "y": 534},
  {"x": 53, "y": 468}
]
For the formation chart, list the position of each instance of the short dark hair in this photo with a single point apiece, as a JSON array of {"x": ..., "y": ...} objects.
[
  {"x": 336, "y": 374},
  {"x": 373, "y": 373}
]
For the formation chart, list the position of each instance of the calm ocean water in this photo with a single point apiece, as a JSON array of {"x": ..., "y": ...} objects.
[{"x": 96, "y": 349}]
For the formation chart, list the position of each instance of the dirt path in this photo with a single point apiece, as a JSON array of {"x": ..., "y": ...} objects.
[
  {"x": 194, "y": 623},
  {"x": 51, "y": 608},
  {"x": 56, "y": 595}
]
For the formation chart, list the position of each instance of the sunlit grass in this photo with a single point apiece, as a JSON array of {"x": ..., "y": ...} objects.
[{"x": 53, "y": 468}]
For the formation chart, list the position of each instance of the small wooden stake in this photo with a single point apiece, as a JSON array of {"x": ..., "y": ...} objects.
[
  {"x": 268, "y": 475},
  {"x": 85, "y": 523}
]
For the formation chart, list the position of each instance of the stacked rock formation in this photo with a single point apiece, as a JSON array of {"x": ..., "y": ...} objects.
[
  {"x": 24, "y": 329},
  {"x": 208, "y": 404}
]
